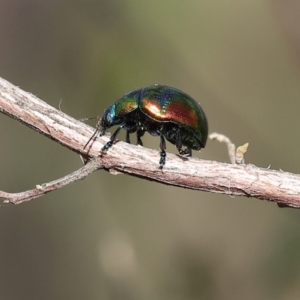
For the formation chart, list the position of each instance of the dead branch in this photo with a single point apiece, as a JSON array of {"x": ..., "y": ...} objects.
[{"x": 231, "y": 179}]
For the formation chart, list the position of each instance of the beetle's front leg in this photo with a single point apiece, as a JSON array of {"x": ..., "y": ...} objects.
[{"x": 112, "y": 138}]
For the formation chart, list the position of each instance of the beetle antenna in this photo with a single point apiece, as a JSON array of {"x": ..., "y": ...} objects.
[
  {"x": 95, "y": 132},
  {"x": 92, "y": 137},
  {"x": 87, "y": 119}
]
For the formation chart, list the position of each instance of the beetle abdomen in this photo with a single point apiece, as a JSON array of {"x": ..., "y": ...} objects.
[{"x": 169, "y": 105}]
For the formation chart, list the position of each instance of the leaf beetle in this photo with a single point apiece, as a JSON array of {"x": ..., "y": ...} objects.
[{"x": 162, "y": 111}]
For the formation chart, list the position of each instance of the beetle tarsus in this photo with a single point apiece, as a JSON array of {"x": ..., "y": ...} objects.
[
  {"x": 162, "y": 160},
  {"x": 107, "y": 146},
  {"x": 185, "y": 152}
]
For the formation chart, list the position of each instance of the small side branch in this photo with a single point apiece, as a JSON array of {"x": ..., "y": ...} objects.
[
  {"x": 42, "y": 189},
  {"x": 192, "y": 173}
]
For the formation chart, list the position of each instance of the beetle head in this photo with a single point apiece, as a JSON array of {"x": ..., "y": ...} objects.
[{"x": 108, "y": 119}]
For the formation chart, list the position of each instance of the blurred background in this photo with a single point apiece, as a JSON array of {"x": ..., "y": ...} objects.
[{"x": 119, "y": 237}]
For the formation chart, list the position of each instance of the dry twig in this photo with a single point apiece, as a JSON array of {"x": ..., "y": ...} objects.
[{"x": 231, "y": 179}]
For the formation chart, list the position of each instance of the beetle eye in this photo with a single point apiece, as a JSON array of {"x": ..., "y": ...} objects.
[
  {"x": 108, "y": 118},
  {"x": 109, "y": 115}
]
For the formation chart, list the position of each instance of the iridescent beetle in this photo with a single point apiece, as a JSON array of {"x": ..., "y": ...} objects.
[{"x": 162, "y": 111}]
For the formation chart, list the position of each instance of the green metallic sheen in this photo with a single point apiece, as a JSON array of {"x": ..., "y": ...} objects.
[
  {"x": 161, "y": 111},
  {"x": 127, "y": 103}
]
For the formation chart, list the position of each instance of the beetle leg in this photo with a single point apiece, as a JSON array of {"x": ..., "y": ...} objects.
[
  {"x": 139, "y": 134},
  {"x": 112, "y": 138},
  {"x": 178, "y": 143},
  {"x": 129, "y": 129},
  {"x": 185, "y": 152},
  {"x": 127, "y": 136},
  {"x": 163, "y": 154}
]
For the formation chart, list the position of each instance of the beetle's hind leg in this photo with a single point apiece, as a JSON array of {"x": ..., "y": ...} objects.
[
  {"x": 185, "y": 152},
  {"x": 178, "y": 143}
]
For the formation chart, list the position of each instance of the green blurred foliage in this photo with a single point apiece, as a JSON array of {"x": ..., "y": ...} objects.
[{"x": 118, "y": 237}]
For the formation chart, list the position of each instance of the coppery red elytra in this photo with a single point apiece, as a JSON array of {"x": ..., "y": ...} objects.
[{"x": 161, "y": 111}]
